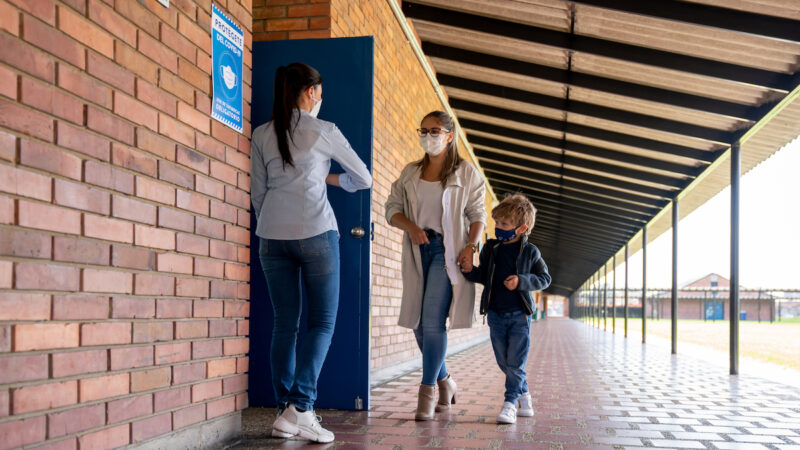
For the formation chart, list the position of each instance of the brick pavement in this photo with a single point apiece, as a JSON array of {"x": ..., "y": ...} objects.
[{"x": 590, "y": 390}]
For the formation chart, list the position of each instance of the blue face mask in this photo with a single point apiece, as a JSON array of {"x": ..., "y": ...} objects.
[{"x": 504, "y": 235}]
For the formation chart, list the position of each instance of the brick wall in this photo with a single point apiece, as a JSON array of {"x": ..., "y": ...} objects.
[
  {"x": 291, "y": 19},
  {"x": 123, "y": 223}
]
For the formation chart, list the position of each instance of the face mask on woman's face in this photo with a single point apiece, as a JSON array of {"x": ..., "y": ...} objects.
[
  {"x": 316, "y": 108},
  {"x": 433, "y": 145}
]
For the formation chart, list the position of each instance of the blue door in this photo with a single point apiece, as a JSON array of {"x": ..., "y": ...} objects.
[
  {"x": 715, "y": 310},
  {"x": 346, "y": 66}
]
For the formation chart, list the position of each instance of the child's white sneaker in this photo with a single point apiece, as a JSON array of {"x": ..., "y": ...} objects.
[
  {"x": 525, "y": 405},
  {"x": 303, "y": 424},
  {"x": 508, "y": 414}
]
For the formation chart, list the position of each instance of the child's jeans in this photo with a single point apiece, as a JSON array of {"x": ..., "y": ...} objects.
[{"x": 511, "y": 341}]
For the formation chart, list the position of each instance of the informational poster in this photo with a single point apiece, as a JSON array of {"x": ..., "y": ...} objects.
[{"x": 227, "y": 47}]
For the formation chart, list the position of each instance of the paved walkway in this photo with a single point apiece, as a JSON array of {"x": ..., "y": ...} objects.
[{"x": 590, "y": 390}]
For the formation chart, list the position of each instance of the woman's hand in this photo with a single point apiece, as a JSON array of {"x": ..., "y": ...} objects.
[
  {"x": 511, "y": 282},
  {"x": 417, "y": 234},
  {"x": 465, "y": 259}
]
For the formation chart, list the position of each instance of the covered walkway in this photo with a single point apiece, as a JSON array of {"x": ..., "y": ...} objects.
[{"x": 591, "y": 389}]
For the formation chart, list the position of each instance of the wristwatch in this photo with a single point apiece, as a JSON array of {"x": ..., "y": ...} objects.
[{"x": 472, "y": 246}]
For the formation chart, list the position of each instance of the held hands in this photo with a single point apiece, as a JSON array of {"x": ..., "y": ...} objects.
[
  {"x": 417, "y": 235},
  {"x": 465, "y": 260},
  {"x": 511, "y": 282}
]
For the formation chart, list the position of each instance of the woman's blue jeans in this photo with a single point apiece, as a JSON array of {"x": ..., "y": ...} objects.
[
  {"x": 288, "y": 264},
  {"x": 431, "y": 333}
]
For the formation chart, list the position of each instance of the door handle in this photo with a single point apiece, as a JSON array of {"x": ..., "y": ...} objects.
[{"x": 357, "y": 232}]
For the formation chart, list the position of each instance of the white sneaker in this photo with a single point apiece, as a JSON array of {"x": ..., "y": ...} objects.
[
  {"x": 303, "y": 424},
  {"x": 525, "y": 405},
  {"x": 508, "y": 414}
]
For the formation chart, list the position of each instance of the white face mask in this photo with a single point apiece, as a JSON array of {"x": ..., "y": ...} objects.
[
  {"x": 433, "y": 145},
  {"x": 316, "y": 108}
]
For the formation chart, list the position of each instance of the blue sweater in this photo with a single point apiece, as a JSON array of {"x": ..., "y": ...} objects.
[{"x": 531, "y": 270}]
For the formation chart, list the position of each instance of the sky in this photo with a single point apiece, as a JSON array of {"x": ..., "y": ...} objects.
[{"x": 769, "y": 255}]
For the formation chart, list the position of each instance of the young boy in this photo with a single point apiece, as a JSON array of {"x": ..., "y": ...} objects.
[{"x": 510, "y": 268}]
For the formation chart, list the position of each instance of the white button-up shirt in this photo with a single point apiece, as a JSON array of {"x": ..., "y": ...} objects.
[{"x": 292, "y": 202}]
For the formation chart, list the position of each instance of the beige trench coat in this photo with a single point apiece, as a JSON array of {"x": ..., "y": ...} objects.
[{"x": 463, "y": 204}]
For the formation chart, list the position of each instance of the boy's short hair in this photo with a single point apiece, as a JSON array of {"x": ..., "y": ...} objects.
[{"x": 518, "y": 209}]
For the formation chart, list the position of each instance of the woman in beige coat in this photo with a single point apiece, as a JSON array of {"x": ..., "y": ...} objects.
[{"x": 438, "y": 202}]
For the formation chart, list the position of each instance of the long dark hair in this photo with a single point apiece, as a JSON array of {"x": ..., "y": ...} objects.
[
  {"x": 452, "y": 158},
  {"x": 290, "y": 82}
]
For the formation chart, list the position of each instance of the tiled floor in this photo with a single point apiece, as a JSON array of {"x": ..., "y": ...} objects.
[{"x": 590, "y": 390}]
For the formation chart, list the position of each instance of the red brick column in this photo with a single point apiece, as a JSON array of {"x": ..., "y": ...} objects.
[
  {"x": 123, "y": 223},
  {"x": 291, "y": 19}
]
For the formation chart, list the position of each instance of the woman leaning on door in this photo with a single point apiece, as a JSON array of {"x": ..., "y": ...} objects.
[
  {"x": 299, "y": 239},
  {"x": 438, "y": 202}
]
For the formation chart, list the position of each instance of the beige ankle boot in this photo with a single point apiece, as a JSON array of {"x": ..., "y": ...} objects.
[
  {"x": 426, "y": 402},
  {"x": 447, "y": 393}
]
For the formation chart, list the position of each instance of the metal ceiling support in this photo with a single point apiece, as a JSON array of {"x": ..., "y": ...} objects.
[
  {"x": 599, "y": 47},
  {"x": 614, "y": 296},
  {"x": 586, "y": 149},
  {"x": 674, "y": 314},
  {"x": 605, "y": 296},
  {"x": 594, "y": 82},
  {"x": 580, "y": 225},
  {"x": 626, "y": 186},
  {"x": 626, "y": 290},
  {"x": 707, "y": 15},
  {"x": 587, "y": 230},
  {"x": 586, "y": 109},
  {"x": 736, "y": 170},
  {"x": 644, "y": 284}
]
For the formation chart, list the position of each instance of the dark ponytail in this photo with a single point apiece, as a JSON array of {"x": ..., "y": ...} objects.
[{"x": 290, "y": 82}]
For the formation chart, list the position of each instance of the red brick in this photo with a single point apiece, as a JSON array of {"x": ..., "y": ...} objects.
[
  {"x": 158, "y": 52},
  {"x": 319, "y": 23},
  {"x": 220, "y": 407},
  {"x": 86, "y": 32},
  {"x": 172, "y": 398},
  {"x": 175, "y": 174},
  {"x": 104, "y": 387},
  {"x": 236, "y": 158},
  {"x": 78, "y": 83},
  {"x": 21, "y": 432},
  {"x": 155, "y": 237},
  {"x": 127, "y": 208},
  {"x": 132, "y": 159},
  {"x": 155, "y": 191},
  {"x": 135, "y": 111},
  {"x": 25, "y": 183},
  {"x": 222, "y": 328},
  {"x": 173, "y": 309},
  {"x": 207, "y": 308},
  {"x": 8, "y": 141},
  {"x": 150, "y": 379},
  {"x": 9, "y": 19},
  {"x": 109, "y": 125},
  {"x": 269, "y": 12},
  {"x": 44, "y": 396},
  {"x": 242, "y": 364},
  {"x": 147, "y": 284},
  {"x": 76, "y": 363},
  {"x": 155, "y": 144},
  {"x": 76, "y": 420},
  {"x": 133, "y": 308},
  {"x": 176, "y": 86},
  {"x": 50, "y": 159},
  {"x": 80, "y": 251},
  {"x": 111, "y": 21},
  {"x": 195, "y": 33},
  {"x": 83, "y": 141},
  {"x": 14, "y": 369},
  {"x": 130, "y": 407},
  {"x": 209, "y": 227},
  {"x": 196, "y": 245},
  {"x": 243, "y": 291},
  {"x": 191, "y": 329},
  {"x": 175, "y": 130},
  {"x": 113, "y": 281},
  {"x": 155, "y": 97},
  {"x": 108, "y": 177},
  {"x": 211, "y": 147},
  {"x": 6, "y": 274},
  {"x": 188, "y": 416},
  {"x": 238, "y": 235},
  {"x": 153, "y": 426},
  {"x": 206, "y": 349},
  {"x": 237, "y": 346},
  {"x": 107, "y": 438},
  {"x": 287, "y": 24},
  {"x": 18, "y": 306},
  {"x": 133, "y": 258},
  {"x": 172, "y": 39},
  {"x": 221, "y": 367},
  {"x": 323, "y": 9},
  {"x": 152, "y": 332},
  {"x": 64, "y": 444},
  {"x": 108, "y": 229},
  {"x": 239, "y": 272},
  {"x": 237, "y": 197},
  {"x": 140, "y": 15},
  {"x": 223, "y": 289},
  {"x": 194, "y": 119},
  {"x": 131, "y": 357},
  {"x": 241, "y": 401},
  {"x": 244, "y": 182},
  {"x": 25, "y": 244},
  {"x": 108, "y": 71},
  {"x": 210, "y": 187},
  {"x": 191, "y": 287},
  {"x": 173, "y": 353},
  {"x": 81, "y": 197},
  {"x": 108, "y": 333},
  {"x": 172, "y": 262},
  {"x": 76, "y": 307},
  {"x": 25, "y": 58},
  {"x": 50, "y": 100},
  {"x": 204, "y": 391},
  {"x": 234, "y": 384},
  {"x": 194, "y": 76},
  {"x": 222, "y": 211},
  {"x": 192, "y": 202},
  {"x": 208, "y": 268},
  {"x": 223, "y": 250},
  {"x": 47, "y": 277},
  {"x": 5, "y": 338},
  {"x": 234, "y": 308},
  {"x": 188, "y": 373},
  {"x": 176, "y": 220}
]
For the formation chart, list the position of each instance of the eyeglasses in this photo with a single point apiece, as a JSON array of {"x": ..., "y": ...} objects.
[{"x": 433, "y": 131}]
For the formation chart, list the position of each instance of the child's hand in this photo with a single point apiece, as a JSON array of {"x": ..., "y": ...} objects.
[
  {"x": 511, "y": 282},
  {"x": 465, "y": 260}
]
